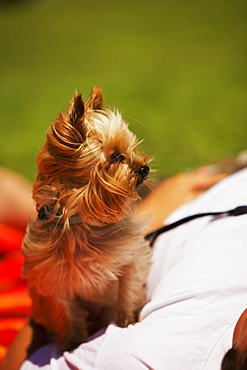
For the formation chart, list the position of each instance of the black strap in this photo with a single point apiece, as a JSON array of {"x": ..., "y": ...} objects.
[
  {"x": 45, "y": 214},
  {"x": 238, "y": 211}
]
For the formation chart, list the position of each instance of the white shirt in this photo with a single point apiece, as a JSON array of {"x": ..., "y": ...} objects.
[{"x": 197, "y": 289}]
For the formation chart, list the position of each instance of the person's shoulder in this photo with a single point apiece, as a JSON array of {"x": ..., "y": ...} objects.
[{"x": 225, "y": 195}]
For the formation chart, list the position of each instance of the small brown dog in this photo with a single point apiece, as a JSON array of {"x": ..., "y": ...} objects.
[{"x": 86, "y": 260}]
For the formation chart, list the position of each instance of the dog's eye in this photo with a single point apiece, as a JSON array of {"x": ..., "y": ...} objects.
[{"x": 117, "y": 157}]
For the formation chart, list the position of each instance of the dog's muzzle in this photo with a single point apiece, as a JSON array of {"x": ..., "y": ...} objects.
[{"x": 143, "y": 172}]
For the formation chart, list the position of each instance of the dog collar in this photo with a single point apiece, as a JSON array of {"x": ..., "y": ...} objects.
[{"x": 45, "y": 214}]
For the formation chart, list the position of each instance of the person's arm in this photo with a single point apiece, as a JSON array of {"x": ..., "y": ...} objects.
[
  {"x": 16, "y": 204},
  {"x": 28, "y": 340}
]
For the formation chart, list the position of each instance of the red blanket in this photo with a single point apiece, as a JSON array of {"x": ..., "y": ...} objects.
[{"x": 14, "y": 299}]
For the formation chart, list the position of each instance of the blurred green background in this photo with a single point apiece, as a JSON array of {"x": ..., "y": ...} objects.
[{"x": 176, "y": 70}]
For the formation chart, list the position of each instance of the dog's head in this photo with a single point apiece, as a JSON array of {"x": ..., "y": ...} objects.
[{"x": 90, "y": 166}]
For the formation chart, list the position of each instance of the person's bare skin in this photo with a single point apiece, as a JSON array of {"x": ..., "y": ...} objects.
[
  {"x": 175, "y": 191},
  {"x": 16, "y": 204}
]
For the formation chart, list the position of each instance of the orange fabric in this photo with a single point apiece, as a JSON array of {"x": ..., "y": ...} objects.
[{"x": 14, "y": 299}]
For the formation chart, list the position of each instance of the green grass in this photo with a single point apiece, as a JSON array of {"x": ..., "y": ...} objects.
[{"x": 176, "y": 70}]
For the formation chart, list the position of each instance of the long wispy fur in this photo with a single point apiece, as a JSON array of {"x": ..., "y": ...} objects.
[{"x": 86, "y": 260}]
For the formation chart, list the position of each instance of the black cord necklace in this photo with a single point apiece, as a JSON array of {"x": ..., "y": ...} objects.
[{"x": 238, "y": 211}]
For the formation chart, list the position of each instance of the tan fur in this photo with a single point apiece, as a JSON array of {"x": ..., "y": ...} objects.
[{"x": 86, "y": 260}]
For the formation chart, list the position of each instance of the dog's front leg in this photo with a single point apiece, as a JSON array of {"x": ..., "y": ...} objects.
[
  {"x": 52, "y": 314},
  {"x": 64, "y": 321},
  {"x": 130, "y": 296}
]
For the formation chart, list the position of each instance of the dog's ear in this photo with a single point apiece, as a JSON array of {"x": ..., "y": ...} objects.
[
  {"x": 76, "y": 111},
  {"x": 95, "y": 100}
]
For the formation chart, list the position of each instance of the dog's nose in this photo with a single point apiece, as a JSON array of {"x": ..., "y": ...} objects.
[{"x": 143, "y": 171}]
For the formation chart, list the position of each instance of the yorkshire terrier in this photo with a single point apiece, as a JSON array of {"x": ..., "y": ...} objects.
[{"x": 86, "y": 260}]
